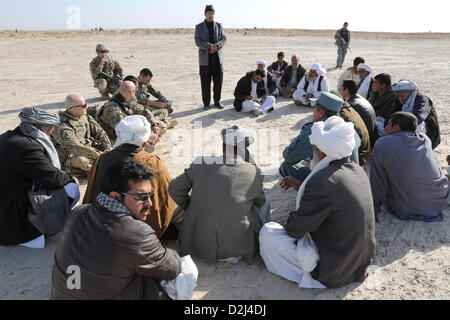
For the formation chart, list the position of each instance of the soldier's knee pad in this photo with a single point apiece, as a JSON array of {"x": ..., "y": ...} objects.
[
  {"x": 81, "y": 162},
  {"x": 101, "y": 85}
]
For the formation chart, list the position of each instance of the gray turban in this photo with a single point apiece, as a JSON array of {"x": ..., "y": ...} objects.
[{"x": 39, "y": 116}]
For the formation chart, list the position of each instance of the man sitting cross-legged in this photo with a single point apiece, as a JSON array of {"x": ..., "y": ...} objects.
[
  {"x": 133, "y": 133},
  {"x": 311, "y": 86},
  {"x": 327, "y": 105},
  {"x": 250, "y": 94},
  {"x": 405, "y": 176},
  {"x": 116, "y": 254},
  {"x": 334, "y": 219},
  {"x": 224, "y": 202}
]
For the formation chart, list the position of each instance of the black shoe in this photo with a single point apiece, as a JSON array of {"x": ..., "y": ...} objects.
[
  {"x": 170, "y": 110},
  {"x": 206, "y": 107},
  {"x": 218, "y": 105},
  {"x": 270, "y": 110}
]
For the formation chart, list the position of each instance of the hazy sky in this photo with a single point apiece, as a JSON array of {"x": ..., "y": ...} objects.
[{"x": 362, "y": 15}]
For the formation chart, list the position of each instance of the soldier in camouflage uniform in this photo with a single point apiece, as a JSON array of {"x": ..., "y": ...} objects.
[
  {"x": 122, "y": 105},
  {"x": 79, "y": 139},
  {"x": 161, "y": 108},
  {"x": 104, "y": 63}
]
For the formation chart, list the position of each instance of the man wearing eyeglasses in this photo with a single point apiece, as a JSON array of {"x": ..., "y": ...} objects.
[
  {"x": 117, "y": 255},
  {"x": 79, "y": 139},
  {"x": 103, "y": 71}
]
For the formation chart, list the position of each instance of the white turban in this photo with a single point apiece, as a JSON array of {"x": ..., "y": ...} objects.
[
  {"x": 262, "y": 62},
  {"x": 405, "y": 85},
  {"x": 295, "y": 55},
  {"x": 365, "y": 67},
  {"x": 318, "y": 67},
  {"x": 334, "y": 137},
  {"x": 133, "y": 129}
]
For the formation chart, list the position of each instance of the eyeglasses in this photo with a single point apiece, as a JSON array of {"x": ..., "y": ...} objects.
[
  {"x": 141, "y": 196},
  {"x": 84, "y": 106}
]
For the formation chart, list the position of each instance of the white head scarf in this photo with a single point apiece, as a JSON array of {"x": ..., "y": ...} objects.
[
  {"x": 406, "y": 85},
  {"x": 365, "y": 67},
  {"x": 335, "y": 138},
  {"x": 263, "y": 62},
  {"x": 365, "y": 85},
  {"x": 318, "y": 67},
  {"x": 134, "y": 130}
]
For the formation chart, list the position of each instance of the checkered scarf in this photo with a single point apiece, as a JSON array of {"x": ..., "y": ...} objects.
[{"x": 111, "y": 204}]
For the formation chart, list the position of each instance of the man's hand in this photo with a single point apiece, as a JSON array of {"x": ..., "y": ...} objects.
[
  {"x": 249, "y": 98},
  {"x": 290, "y": 90},
  {"x": 161, "y": 105},
  {"x": 103, "y": 60},
  {"x": 258, "y": 100},
  {"x": 76, "y": 181},
  {"x": 213, "y": 48},
  {"x": 156, "y": 130},
  {"x": 153, "y": 138},
  {"x": 290, "y": 182}
]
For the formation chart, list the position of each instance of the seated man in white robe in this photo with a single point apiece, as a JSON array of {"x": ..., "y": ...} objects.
[
  {"x": 334, "y": 219},
  {"x": 365, "y": 86},
  {"x": 250, "y": 94},
  {"x": 270, "y": 84},
  {"x": 311, "y": 86}
]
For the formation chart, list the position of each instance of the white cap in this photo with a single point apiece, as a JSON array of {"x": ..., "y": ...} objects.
[
  {"x": 318, "y": 67},
  {"x": 133, "y": 129}
]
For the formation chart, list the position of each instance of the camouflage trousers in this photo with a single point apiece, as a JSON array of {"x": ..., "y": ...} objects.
[
  {"x": 103, "y": 87},
  {"x": 160, "y": 116},
  {"x": 75, "y": 163}
]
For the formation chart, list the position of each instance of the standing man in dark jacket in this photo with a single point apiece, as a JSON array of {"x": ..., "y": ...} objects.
[
  {"x": 349, "y": 91},
  {"x": 27, "y": 157},
  {"x": 117, "y": 254},
  {"x": 210, "y": 40}
]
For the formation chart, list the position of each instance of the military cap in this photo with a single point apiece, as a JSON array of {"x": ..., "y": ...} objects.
[{"x": 101, "y": 47}]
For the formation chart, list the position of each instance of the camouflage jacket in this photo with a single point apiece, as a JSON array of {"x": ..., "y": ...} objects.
[
  {"x": 116, "y": 109},
  {"x": 111, "y": 67},
  {"x": 144, "y": 93},
  {"x": 77, "y": 135}
]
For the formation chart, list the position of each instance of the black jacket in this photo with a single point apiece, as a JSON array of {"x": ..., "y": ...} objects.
[
  {"x": 274, "y": 66},
  {"x": 22, "y": 161},
  {"x": 288, "y": 73},
  {"x": 244, "y": 89},
  {"x": 367, "y": 113},
  {"x": 337, "y": 210},
  {"x": 271, "y": 83},
  {"x": 119, "y": 257}
]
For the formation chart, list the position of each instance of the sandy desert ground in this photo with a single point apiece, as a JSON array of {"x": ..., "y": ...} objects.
[{"x": 39, "y": 69}]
